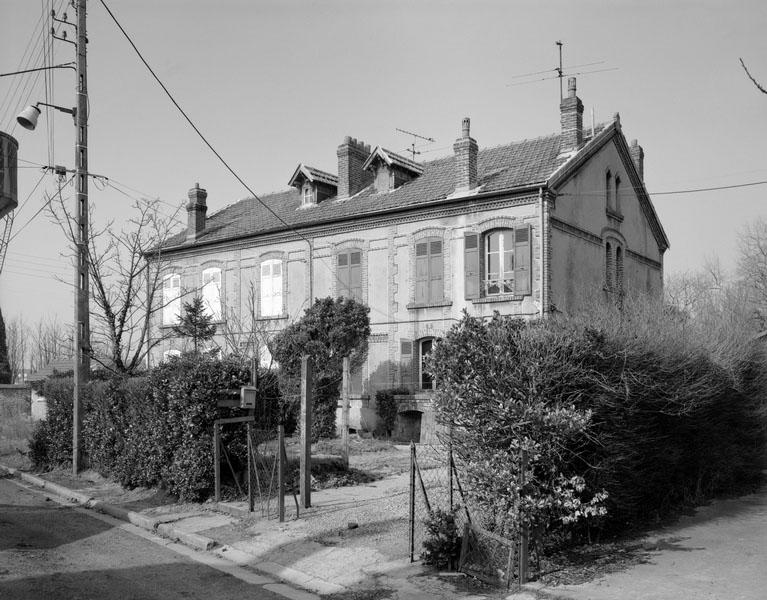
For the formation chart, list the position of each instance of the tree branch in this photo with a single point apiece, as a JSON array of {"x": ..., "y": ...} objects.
[{"x": 755, "y": 82}]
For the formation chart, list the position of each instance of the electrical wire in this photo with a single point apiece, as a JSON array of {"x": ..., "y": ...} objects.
[
  {"x": 601, "y": 193},
  {"x": 42, "y": 208},
  {"x": 207, "y": 143}
]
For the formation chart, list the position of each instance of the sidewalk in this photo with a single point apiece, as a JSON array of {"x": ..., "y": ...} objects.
[{"x": 352, "y": 544}]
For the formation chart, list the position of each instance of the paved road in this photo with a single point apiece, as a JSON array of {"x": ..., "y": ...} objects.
[{"x": 64, "y": 553}]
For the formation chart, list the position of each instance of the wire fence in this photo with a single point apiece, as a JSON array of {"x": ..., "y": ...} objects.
[{"x": 436, "y": 485}]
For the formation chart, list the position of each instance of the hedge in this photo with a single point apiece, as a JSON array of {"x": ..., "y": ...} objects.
[{"x": 153, "y": 430}]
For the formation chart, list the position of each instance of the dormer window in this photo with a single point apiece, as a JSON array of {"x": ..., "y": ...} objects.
[
  {"x": 390, "y": 170},
  {"x": 313, "y": 185}
]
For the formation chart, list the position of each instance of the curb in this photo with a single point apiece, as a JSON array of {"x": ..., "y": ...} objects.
[{"x": 194, "y": 540}]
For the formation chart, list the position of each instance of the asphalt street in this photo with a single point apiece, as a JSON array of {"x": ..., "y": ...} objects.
[{"x": 50, "y": 550}]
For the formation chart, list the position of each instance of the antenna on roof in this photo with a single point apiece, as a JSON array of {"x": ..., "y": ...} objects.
[
  {"x": 560, "y": 72},
  {"x": 412, "y": 149}
]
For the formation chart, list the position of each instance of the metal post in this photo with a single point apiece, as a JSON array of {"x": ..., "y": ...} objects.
[
  {"x": 281, "y": 466},
  {"x": 307, "y": 378},
  {"x": 82, "y": 321},
  {"x": 251, "y": 449},
  {"x": 217, "y": 460},
  {"x": 411, "y": 529},
  {"x": 345, "y": 413},
  {"x": 251, "y": 467}
]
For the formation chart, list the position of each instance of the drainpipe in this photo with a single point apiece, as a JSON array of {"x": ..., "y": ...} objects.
[
  {"x": 542, "y": 203},
  {"x": 310, "y": 243}
]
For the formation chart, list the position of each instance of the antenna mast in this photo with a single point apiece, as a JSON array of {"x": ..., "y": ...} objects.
[
  {"x": 559, "y": 70},
  {"x": 412, "y": 149}
]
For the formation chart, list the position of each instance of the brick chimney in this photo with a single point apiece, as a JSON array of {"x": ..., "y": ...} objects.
[
  {"x": 195, "y": 211},
  {"x": 352, "y": 155},
  {"x": 571, "y": 117},
  {"x": 466, "y": 150},
  {"x": 637, "y": 155}
]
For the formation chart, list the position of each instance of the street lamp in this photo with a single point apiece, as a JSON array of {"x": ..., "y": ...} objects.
[{"x": 27, "y": 118}]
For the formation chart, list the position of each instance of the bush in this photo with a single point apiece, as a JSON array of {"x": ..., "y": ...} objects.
[
  {"x": 623, "y": 419},
  {"x": 38, "y": 447},
  {"x": 442, "y": 546},
  {"x": 387, "y": 408}
]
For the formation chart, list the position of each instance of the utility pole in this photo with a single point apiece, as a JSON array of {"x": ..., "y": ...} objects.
[{"x": 82, "y": 313}]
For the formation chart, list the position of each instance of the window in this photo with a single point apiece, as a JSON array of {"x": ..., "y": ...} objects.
[
  {"x": 428, "y": 271},
  {"x": 609, "y": 267},
  {"x": 308, "y": 197},
  {"x": 425, "y": 380},
  {"x": 617, "y": 194},
  {"x": 609, "y": 191},
  {"x": 171, "y": 299},
  {"x": 619, "y": 270},
  {"x": 271, "y": 288},
  {"x": 211, "y": 292},
  {"x": 349, "y": 273},
  {"x": 497, "y": 263}
]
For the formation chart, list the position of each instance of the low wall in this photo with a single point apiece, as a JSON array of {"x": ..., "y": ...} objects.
[{"x": 15, "y": 400}]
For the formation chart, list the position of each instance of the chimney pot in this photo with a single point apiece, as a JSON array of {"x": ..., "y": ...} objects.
[
  {"x": 571, "y": 87},
  {"x": 465, "y": 127},
  {"x": 637, "y": 157}
]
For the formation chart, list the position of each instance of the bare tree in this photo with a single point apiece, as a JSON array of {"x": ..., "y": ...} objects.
[
  {"x": 246, "y": 336},
  {"x": 752, "y": 266},
  {"x": 126, "y": 287},
  {"x": 751, "y": 77},
  {"x": 16, "y": 337},
  {"x": 49, "y": 341}
]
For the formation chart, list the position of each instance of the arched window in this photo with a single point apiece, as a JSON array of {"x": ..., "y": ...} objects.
[
  {"x": 608, "y": 266},
  {"x": 211, "y": 292},
  {"x": 499, "y": 262},
  {"x": 617, "y": 194},
  {"x": 619, "y": 269},
  {"x": 271, "y": 288},
  {"x": 171, "y": 299},
  {"x": 349, "y": 273},
  {"x": 609, "y": 190}
]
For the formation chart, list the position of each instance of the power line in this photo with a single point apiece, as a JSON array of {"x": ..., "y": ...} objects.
[
  {"x": 601, "y": 192},
  {"x": 41, "y": 209}
]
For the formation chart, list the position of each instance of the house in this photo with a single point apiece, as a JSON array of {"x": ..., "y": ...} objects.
[{"x": 524, "y": 229}]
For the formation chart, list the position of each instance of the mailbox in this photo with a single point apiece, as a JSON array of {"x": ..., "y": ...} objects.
[{"x": 248, "y": 396}]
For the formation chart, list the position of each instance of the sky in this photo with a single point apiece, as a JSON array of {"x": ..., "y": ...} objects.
[{"x": 275, "y": 83}]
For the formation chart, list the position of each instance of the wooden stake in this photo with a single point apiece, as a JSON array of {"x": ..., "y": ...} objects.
[
  {"x": 307, "y": 378},
  {"x": 345, "y": 413}
]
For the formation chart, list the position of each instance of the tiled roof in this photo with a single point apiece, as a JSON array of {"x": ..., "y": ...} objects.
[{"x": 499, "y": 168}]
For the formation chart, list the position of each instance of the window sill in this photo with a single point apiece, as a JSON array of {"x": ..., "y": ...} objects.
[
  {"x": 438, "y": 304},
  {"x": 611, "y": 214},
  {"x": 498, "y": 298},
  {"x": 272, "y": 318}
]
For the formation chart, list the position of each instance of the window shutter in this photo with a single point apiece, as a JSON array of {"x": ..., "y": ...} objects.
[
  {"x": 355, "y": 275},
  {"x": 471, "y": 265},
  {"x": 422, "y": 272},
  {"x": 436, "y": 288},
  {"x": 522, "y": 260},
  {"x": 406, "y": 363},
  {"x": 343, "y": 274}
]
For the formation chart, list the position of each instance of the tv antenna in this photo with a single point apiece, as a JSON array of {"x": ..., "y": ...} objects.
[
  {"x": 416, "y": 136},
  {"x": 560, "y": 72}
]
